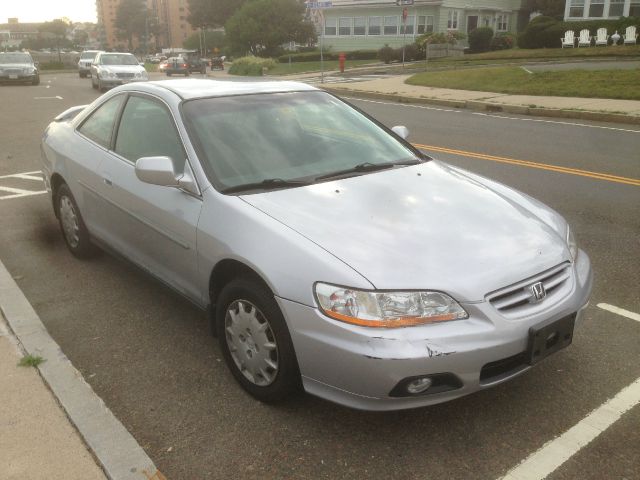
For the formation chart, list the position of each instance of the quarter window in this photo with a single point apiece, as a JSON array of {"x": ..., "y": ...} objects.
[
  {"x": 147, "y": 130},
  {"x": 99, "y": 126}
]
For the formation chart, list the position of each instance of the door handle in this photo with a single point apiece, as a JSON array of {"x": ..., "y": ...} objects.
[{"x": 108, "y": 182}]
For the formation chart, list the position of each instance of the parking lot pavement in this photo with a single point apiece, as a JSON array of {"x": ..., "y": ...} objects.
[{"x": 148, "y": 354}]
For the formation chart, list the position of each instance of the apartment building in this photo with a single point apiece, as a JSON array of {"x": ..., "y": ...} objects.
[{"x": 171, "y": 15}]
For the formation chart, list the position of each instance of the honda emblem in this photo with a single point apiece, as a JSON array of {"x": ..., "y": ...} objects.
[{"x": 538, "y": 292}]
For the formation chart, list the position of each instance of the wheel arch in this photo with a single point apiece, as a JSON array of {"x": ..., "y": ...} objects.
[
  {"x": 224, "y": 272},
  {"x": 56, "y": 181}
]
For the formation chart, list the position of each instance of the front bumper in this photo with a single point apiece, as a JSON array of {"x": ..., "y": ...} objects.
[
  {"x": 359, "y": 367},
  {"x": 21, "y": 78},
  {"x": 114, "y": 82}
]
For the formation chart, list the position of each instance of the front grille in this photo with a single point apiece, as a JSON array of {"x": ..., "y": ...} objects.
[
  {"x": 519, "y": 299},
  {"x": 125, "y": 75},
  {"x": 13, "y": 71}
]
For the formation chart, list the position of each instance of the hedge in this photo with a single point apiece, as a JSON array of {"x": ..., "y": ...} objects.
[
  {"x": 251, "y": 66},
  {"x": 315, "y": 56},
  {"x": 480, "y": 39}
]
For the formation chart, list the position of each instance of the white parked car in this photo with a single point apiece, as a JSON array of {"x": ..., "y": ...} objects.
[
  {"x": 84, "y": 64},
  {"x": 110, "y": 69}
]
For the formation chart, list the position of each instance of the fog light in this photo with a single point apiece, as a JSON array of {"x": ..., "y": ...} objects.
[{"x": 419, "y": 385}]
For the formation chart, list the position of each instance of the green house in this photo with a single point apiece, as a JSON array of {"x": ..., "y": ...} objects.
[{"x": 370, "y": 24}]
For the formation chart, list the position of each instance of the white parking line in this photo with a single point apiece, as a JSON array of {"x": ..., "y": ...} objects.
[
  {"x": 19, "y": 192},
  {"x": 619, "y": 311},
  {"x": 554, "y": 453}
]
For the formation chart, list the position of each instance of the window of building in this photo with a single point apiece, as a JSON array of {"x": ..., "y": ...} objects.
[
  {"x": 634, "y": 8},
  {"x": 425, "y": 24},
  {"x": 502, "y": 23},
  {"x": 331, "y": 26},
  {"x": 616, "y": 8},
  {"x": 374, "y": 25},
  {"x": 344, "y": 26},
  {"x": 452, "y": 21},
  {"x": 596, "y": 9},
  {"x": 407, "y": 26},
  {"x": 359, "y": 26},
  {"x": 486, "y": 21},
  {"x": 391, "y": 25},
  {"x": 576, "y": 8}
]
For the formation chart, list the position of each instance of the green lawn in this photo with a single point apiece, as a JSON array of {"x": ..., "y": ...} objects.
[
  {"x": 622, "y": 84},
  {"x": 305, "y": 67}
]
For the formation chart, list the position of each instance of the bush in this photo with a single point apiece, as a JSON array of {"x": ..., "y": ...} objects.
[
  {"x": 503, "y": 41},
  {"x": 315, "y": 56},
  {"x": 387, "y": 54},
  {"x": 480, "y": 39},
  {"x": 251, "y": 66}
]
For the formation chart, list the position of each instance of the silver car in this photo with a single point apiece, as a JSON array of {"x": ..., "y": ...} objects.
[
  {"x": 332, "y": 255},
  {"x": 110, "y": 69},
  {"x": 84, "y": 64}
]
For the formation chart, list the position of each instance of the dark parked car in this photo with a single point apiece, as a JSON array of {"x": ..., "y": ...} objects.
[
  {"x": 18, "y": 67},
  {"x": 197, "y": 65},
  {"x": 177, "y": 66}
]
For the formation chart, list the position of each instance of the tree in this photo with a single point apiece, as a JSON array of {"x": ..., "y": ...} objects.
[
  {"x": 55, "y": 30},
  {"x": 261, "y": 26},
  {"x": 214, "y": 39},
  {"x": 131, "y": 16},
  {"x": 212, "y": 13}
]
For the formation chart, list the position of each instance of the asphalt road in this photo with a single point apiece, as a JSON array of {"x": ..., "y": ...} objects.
[{"x": 148, "y": 354}]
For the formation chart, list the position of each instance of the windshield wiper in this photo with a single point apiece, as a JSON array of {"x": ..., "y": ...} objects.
[
  {"x": 368, "y": 167},
  {"x": 266, "y": 184}
]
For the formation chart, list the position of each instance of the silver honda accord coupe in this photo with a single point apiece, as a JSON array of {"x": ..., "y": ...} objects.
[{"x": 332, "y": 255}]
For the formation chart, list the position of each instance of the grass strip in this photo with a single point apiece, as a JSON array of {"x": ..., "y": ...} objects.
[{"x": 617, "y": 84}]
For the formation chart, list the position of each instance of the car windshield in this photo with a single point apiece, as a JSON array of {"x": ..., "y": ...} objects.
[
  {"x": 87, "y": 55},
  {"x": 6, "y": 58},
  {"x": 119, "y": 59},
  {"x": 247, "y": 139}
]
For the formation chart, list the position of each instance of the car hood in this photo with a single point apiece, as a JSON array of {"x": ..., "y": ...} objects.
[
  {"x": 123, "y": 68},
  {"x": 429, "y": 226}
]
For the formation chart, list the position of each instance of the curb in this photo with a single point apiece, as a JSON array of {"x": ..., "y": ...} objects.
[
  {"x": 117, "y": 452},
  {"x": 493, "y": 107}
]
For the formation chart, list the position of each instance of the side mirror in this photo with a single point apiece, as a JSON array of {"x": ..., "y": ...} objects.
[
  {"x": 401, "y": 131},
  {"x": 157, "y": 171},
  {"x": 36, "y": 64}
]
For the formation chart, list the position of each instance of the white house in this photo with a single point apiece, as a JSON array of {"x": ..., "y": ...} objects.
[
  {"x": 370, "y": 24},
  {"x": 600, "y": 9}
]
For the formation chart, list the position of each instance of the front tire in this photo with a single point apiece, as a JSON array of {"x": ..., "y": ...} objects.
[
  {"x": 255, "y": 341},
  {"x": 36, "y": 81},
  {"x": 74, "y": 231}
]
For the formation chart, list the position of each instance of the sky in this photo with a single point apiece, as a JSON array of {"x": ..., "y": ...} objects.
[{"x": 29, "y": 11}]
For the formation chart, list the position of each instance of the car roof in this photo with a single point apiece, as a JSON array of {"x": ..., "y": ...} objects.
[{"x": 202, "y": 88}]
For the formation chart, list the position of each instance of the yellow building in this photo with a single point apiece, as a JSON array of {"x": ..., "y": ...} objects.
[{"x": 171, "y": 15}]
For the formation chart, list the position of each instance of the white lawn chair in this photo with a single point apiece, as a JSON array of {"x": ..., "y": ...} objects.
[
  {"x": 602, "y": 38},
  {"x": 584, "y": 40},
  {"x": 630, "y": 36},
  {"x": 568, "y": 40}
]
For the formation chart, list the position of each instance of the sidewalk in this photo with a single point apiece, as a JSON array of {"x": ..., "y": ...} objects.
[
  {"x": 37, "y": 440},
  {"x": 52, "y": 423},
  {"x": 394, "y": 88}
]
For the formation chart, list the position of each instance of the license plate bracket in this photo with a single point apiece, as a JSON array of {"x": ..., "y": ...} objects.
[
  {"x": 13, "y": 77},
  {"x": 548, "y": 339}
]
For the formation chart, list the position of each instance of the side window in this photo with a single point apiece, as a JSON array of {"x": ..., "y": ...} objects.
[
  {"x": 99, "y": 126},
  {"x": 147, "y": 130}
]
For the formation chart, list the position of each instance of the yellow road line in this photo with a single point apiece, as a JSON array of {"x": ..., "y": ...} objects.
[{"x": 526, "y": 163}]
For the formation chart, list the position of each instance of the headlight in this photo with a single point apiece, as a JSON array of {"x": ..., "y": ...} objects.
[
  {"x": 29, "y": 71},
  {"x": 572, "y": 244},
  {"x": 386, "y": 309},
  {"x": 141, "y": 75},
  {"x": 107, "y": 74}
]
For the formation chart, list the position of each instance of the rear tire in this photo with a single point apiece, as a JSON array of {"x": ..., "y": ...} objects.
[
  {"x": 255, "y": 341},
  {"x": 74, "y": 231}
]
